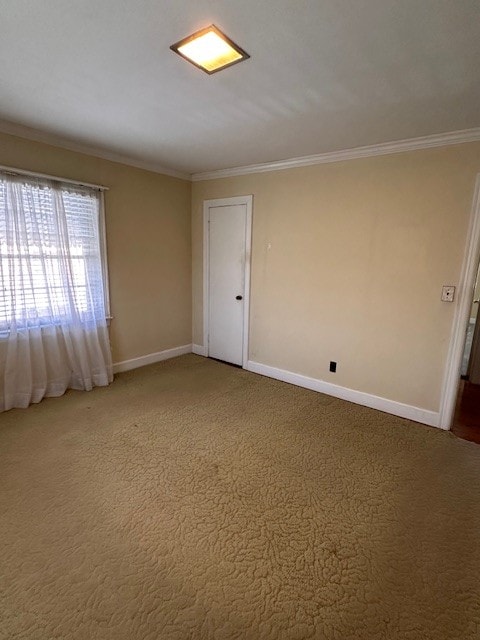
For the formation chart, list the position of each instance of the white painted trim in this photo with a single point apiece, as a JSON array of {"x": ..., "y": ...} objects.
[
  {"x": 384, "y": 148},
  {"x": 150, "y": 358},
  {"x": 227, "y": 202},
  {"x": 358, "y": 397},
  {"x": 246, "y": 294},
  {"x": 199, "y": 349},
  {"x": 206, "y": 258},
  {"x": 54, "y": 140},
  {"x": 462, "y": 314}
]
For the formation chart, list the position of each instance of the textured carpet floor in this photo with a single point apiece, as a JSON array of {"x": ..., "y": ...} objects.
[{"x": 194, "y": 500}]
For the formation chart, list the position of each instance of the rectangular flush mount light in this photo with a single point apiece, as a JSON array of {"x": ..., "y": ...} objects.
[{"x": 210, "y": 50}]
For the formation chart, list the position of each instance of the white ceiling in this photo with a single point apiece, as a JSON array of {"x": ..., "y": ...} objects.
[{"x": 324, "y": 75}]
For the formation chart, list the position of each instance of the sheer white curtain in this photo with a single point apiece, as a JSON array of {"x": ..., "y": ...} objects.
[{"x": 53, "y": 328}]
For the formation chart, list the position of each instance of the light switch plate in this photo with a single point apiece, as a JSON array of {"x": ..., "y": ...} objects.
[{"x": 448, "y": 293}]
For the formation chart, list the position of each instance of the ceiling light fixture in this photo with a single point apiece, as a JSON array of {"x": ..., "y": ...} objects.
[{"x": 210, "y": 50}]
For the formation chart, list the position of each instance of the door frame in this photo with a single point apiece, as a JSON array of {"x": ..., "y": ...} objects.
[
  {"x": 462, "y": 314},
  {"x": 227, "y": 202}
]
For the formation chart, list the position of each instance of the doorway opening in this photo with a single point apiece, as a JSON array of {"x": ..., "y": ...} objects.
[
  {"x": 458, "y": 396},
  {"x": 469, "y": 365},
  {"x": 466, "y": 419}
]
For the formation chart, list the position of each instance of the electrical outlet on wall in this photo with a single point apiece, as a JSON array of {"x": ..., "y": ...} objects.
[{"x": 448, "y": 293}]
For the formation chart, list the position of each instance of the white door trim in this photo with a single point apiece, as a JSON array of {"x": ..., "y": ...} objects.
[
  {"x": 462, "y": 314},
  {"x": 227, "y": 202}
]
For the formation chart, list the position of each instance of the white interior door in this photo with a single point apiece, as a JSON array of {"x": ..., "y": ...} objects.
[{"x": 228, "y": 245}]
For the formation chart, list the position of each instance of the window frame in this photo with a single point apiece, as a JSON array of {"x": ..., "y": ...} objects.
[
  {"x": 102, "y": 237},
  {"x": 102, "y": 232}
]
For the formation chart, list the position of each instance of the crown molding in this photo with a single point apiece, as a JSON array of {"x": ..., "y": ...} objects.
[
  {"x": 384, "y": 148},
  {"x": 28, "y": 133}
]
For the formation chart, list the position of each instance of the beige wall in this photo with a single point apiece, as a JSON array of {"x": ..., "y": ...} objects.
[
  {"x": 148, "y": 244},
  {"x": 359, "y": 253}
]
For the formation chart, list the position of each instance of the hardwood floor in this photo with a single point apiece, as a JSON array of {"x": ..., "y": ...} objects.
[{"x": 466, "y": 422}]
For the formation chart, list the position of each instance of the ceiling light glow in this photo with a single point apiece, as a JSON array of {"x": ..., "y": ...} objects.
[{"x": 210, "y": 50}]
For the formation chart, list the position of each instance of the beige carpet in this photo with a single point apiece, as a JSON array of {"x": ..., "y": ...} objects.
[{"x": 194, "y": 500}]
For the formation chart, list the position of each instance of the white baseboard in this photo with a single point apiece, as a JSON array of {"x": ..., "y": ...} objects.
[
  {"x": 150, "y": 358},
  {"x": 424, "y": 416},
  {"x": 199, "y": 349}
]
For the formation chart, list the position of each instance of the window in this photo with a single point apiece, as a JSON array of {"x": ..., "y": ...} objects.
[{"x": 52, "y": 258}]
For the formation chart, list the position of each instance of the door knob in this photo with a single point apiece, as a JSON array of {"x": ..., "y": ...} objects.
[{"x": 238, "y": 297}]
